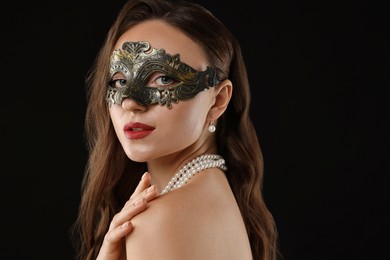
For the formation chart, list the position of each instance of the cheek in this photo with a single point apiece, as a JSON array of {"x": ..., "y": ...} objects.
[
  {"x": 178, "y": 135},
  {"x": 115, "y": 119},
  {"x": 185, "y": 123}
]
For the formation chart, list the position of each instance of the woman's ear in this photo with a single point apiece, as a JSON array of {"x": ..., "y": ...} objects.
[{"x": 223, "y": 94}]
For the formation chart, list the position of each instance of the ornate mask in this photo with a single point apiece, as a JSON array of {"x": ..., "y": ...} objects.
[{"x": 132, "y": 67}]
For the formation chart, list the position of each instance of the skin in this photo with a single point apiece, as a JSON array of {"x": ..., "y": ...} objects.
[
  {"x": 197, "y": 220},
  {"x": 120, "y": 226}
]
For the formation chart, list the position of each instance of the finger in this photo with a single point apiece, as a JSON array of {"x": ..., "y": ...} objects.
[
  {"x": 113, "y": 236},
  {"x": 148, "y": 194},
  {"x": 134, "y": 206},
  {"x": 111, "y": 247},
  {"x": 142, "y": 185},
  {"x": 127, "y": 213}
]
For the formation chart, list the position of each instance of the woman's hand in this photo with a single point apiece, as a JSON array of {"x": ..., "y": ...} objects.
[{"x": 120, "y": 226}]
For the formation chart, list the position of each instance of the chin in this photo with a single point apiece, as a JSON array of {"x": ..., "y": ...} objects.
[{"x": 137, "y": 156}]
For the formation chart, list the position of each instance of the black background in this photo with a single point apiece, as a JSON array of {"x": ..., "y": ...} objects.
[{"x": 318, "y": 72}]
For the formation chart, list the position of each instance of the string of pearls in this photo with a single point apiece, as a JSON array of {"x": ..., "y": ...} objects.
[{"x": 198, "y": 164}]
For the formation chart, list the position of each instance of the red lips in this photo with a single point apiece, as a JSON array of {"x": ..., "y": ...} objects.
[{"x": 137, "y": 130}]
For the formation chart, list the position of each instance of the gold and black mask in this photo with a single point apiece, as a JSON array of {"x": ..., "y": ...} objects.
[{"x": 132, "y": 67}]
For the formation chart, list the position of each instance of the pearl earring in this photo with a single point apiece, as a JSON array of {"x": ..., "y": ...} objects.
[{"x": 211, "y": 127}]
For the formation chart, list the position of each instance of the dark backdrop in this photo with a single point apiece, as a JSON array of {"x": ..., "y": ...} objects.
[{"x": 318, "y": 71}]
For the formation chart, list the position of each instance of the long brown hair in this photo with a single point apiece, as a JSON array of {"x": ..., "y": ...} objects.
[{"x": 110, "y": 177}]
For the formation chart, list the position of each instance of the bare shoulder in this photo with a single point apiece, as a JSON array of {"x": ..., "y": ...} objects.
[{"x": 200, "y": 220}]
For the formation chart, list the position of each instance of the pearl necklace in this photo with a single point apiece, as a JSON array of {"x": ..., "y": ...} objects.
[{"x": 198, "y": 164}]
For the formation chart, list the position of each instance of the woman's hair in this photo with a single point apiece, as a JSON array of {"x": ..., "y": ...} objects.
[{"x": 111, "y": 177}]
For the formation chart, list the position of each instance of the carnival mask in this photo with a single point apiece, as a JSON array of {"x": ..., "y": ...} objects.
[{"x": 136, "y": 62}]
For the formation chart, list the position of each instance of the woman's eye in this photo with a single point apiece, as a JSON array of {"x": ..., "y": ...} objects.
[
  {"x": 118, "y": 83},
  {"x": 164, "y": 81}
]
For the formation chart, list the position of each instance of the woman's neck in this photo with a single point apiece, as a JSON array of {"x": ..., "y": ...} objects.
[{"x": 164, "y": 168}]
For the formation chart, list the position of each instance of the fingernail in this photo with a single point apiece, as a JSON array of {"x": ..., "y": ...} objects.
[
  {"x": 126, "y": 224},
  {"x": 143, "y": 176},
  {"x": 151, "y": 188}
]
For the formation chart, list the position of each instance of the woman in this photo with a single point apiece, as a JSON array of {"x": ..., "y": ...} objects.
[{"x": 169, "y": 98}]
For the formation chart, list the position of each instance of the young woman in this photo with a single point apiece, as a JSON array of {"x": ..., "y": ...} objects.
[{"x": 175, "y": 168}]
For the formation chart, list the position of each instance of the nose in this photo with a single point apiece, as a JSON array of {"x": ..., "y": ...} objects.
[{"x": 130, "y": 104}]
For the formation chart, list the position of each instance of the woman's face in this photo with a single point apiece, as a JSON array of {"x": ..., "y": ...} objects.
[{"x": 150, "y": 131}]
